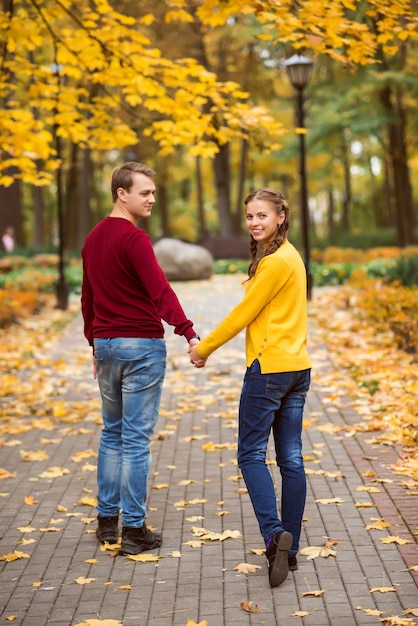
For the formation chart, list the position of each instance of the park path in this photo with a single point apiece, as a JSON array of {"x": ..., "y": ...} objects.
[{"x": 66, "y": 579}]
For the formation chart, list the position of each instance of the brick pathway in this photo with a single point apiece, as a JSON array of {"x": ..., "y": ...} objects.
[{"x": 195, "y": 484}]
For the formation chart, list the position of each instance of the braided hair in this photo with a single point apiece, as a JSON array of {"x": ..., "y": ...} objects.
[{"x": 279, "y": 202}]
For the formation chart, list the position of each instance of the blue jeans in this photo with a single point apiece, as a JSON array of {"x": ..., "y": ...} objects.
[
  {"x": 130, "y": 373},
  {"x": 274, "y": 402}
]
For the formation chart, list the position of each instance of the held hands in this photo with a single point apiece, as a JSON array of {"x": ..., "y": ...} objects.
[{"x": 195, "y": 357}]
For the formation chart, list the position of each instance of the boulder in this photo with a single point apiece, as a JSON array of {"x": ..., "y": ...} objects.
[{"x": 183, "y": 261}]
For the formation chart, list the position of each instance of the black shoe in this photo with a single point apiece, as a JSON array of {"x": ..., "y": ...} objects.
[
  {"x": 107, "y": 529},
  {"x": 293, "y": 563},
  {"x": 277, "y": 556},
  {"x": 136, "y": 540}
]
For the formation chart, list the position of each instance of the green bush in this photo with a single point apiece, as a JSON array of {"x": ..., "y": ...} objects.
[{"x": 403, "y": 270}]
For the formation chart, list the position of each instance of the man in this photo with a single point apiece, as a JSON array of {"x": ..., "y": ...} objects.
[{"x": 125, "y": 297}]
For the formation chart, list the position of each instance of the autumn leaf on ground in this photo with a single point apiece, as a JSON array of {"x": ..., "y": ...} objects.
[
  {"x": 373, "y": 612},
  {"x": 125, "y": 587},
  {"x": 330, "y": 501},
  {"x": 258, "y": 551},
  {"x": 37, "y": 584},
  {"x": 144, "y": 558},
  {"x": 54, "y": 472},
  {"x": 396, "y": 620},
  {"x": 312, "y": 552},
  {"x": 91, "y": 560},
  {"x": 11, "y": 618},
  {"x": 392, "y": 539},
  {"x": 182, "y": 503},
  {"x": 13, "y": 556},
  {"x": 316, "y": 593},
  {"x": 195, "y": 518},
  {"x": 365, "y": 505},
  {"x": 81, "y": 580},
  {"x": 246, "y": 568},
  {"x": 300, "y": 613},
  {"x": 190, "y": 622},
  {"x": 382, "y": 589},
  {"x": 83, "y": 454},
  {"x": 26, "y": 529},
  {"x": 176, "y": 554},
  {"x": 161, "y": 486},
  {"x": 30, "y": 500},
  {"x": 207, "y": 535},
  {"x": 30, "y": 455},
  {"x": 249, "y": 607},
  {"x": 194, "y": 544},
  {"x": 413, "y": 612},
  {"x": 378, "y": 524},
  {"x": 6, "y": 474},
  {"x": 241, "y": 490},
  {"x": 108, "y": 546},
  {"x": 368, "y": 489},
  {"x": 26, "y": 542},
  {"x": 50, "y": 529},
  {"x": 86, "y": 500}
]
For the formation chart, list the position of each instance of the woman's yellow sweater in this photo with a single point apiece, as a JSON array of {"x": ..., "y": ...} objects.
[{"x": 273, "y": 311}]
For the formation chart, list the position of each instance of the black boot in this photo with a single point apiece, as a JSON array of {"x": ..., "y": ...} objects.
[
  {"x": 107, "y": 529},
  {"x": 136, "y": 540}
]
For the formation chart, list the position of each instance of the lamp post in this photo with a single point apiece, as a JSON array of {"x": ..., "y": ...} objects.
[{"x": 299, "y": 69}]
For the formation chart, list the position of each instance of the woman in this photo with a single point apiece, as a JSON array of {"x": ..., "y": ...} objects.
[{"x": 277, "y": 378}]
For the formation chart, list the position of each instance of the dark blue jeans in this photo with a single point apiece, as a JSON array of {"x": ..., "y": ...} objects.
[{"x": 274, "y": 402}]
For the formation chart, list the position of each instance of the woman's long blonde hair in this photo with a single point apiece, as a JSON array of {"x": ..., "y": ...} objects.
[{"x": 279, "y": 202}]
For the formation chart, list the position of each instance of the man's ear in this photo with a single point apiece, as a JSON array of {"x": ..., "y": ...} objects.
[{"x": 121, "y": 193}]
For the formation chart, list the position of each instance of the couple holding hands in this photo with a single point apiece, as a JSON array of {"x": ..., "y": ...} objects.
[{"x": 125, "y": 295}]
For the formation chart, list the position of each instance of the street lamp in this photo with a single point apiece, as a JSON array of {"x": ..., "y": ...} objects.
[{"x": 299, "y": 69}]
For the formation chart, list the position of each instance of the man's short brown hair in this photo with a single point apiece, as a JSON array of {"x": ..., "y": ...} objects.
[{"x": 123, "y": 176}]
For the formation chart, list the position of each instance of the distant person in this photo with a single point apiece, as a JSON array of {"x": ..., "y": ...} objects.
[
  {"x": 8, "y": 239},
  {"x": 277, "y": 379},
  {"x": 125, "y": 297}
]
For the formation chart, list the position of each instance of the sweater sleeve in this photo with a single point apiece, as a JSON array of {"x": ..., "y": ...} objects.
[
  {"x": 271, "y": 275},
  {"x": 157, "y": 286},
  {"x": 87, "y": 308}
]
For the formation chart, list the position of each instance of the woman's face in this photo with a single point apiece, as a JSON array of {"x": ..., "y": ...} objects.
[{"x": 263, "y": 220}]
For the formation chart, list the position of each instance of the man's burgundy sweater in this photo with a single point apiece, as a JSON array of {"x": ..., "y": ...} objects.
[{"x": 125, "y": 292}]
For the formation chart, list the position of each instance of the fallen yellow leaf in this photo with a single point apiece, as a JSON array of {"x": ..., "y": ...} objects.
[
  {"x": 81, "y": 580},
  {"x": 246, "y": 568},
  {"x": 311, "y": 552},
  {"x": 13, "y": 556},
  {"x": 382, "y": 589},
  {"x": 392, "y": 539},
  {"x": 316, "y": 593},
  {"x": 250, "y": 607},
  {"x": 144, "y": 558},
  {"x": 30, "y": 500}
]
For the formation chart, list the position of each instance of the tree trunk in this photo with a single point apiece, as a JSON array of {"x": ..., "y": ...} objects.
[
  {"x": 11, "y": 208},
  {"x": 202, "y": 227},
  {"x": 71, "y": 200},
  {"x": 221, "y": 170},
  {"x": 398, "y": 155},
  {"x": 83, "y": 205},
  {"x": 331, "y": 216},
  {"x": 345, "y": 218},
  {"x": 241, "y": 184},
  {"x": 38, "y": 217}
]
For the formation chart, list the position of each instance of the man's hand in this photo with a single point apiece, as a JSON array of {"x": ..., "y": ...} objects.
[{"x": 195, "y": 357}]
